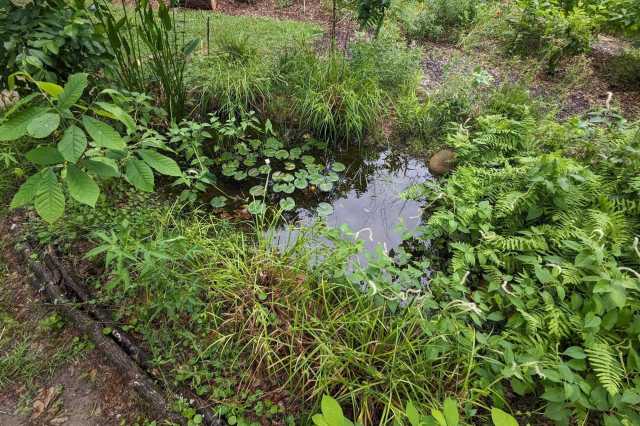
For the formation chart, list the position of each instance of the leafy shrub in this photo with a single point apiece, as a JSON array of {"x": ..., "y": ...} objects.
[
  {"x": 543, "y": 28},
  {"x": 334, "y": 98},
  {"x": 624, "y": 69},
  {"x": 49, "y": 39},
  {"x": 57, "y": 116},
  {"x": 395, "y": 65},
  {"x": 439, "y": 19},
  {"x": 545, "y": 247}
]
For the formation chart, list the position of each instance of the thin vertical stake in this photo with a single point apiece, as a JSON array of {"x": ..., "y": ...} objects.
[{"x": 208, "y": 32}]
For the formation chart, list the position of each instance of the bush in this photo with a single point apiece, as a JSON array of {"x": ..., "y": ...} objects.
[
  {"x": 624, "y": 69},
  {"x": 50, "y": 39},
  {"x": 332, "y": 97},
  {"x": 439, "y": 19},
  {"x": 545, "y": 29}
]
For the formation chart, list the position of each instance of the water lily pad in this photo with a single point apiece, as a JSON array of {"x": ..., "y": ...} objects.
[
  {"x": 273, "y": 143},
  {"x": 289, "y": 166},
  {"x": 264, "y": 169},
  {"x": 269, "y": 153},
  {"x": 332, "y": 177},
  {"x": 287, "y": 204},
  {"x": 287, "y": 177},
  {"x": 301, "y": 174},
  {"x": 288, "y": 188},
  {"x": 308, "y": 159},
  {"x": 240, "y": 175},
  {"x": 257, "y": 191},
  {"x": 218, "y": 202},
  {"x": 241, "y": 148},
  {"x": 294, "y": 153},
  {"x": 300, "y": 183},
  {"x": 257, "y": 207},
  {"x": 277, "y": 176},
  {"x": 282, "y": 154},
  {"x": 253, "y": 172},
  {"x": 325, "y": 186},
  {"x": 277, "y": 187},
  {"x": 249, "y": 161},
  {"x": 338, "y": 167},
  {"x": 255, "y": 143},
  {"x": 324, "y": 209}
]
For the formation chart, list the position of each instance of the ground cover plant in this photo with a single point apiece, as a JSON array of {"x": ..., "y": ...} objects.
[{"x": 181, "y": 163}]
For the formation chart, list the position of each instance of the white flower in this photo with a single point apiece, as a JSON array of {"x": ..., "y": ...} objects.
[{"x": 267, "y": 161}]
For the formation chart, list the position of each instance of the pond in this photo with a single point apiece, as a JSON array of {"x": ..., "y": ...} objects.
[{"x": 368, "y": 199}]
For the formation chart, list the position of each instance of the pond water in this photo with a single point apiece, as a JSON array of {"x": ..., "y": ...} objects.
[{"x": 368, "y": 199}]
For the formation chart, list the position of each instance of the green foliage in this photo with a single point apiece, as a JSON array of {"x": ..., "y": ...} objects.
[
  {"x": 87, "y": 148},
  {"x": 49, "y": 39},
  {"x": 147, "y": 44},
  {"x": 437, "y": 19},
  {"x": 331, "y": 96},
  {"x": 624, "y": 69},
  {"x": 542, "y": 242},
  {"x": 545, "y": 29}
]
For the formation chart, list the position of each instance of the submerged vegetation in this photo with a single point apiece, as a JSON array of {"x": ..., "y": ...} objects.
[{"x": 188, "y": 158}]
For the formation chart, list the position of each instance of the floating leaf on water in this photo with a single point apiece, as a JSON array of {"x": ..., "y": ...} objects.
[
  {"x": 282, "y": 154},
  {"x": 249, "y": 162},
  {"x": 257, "y": 191},
  {"x": 332, "y": 177},
  {"x": 289, "y": 166},
  {"x": 287, "y": 204},
  {"x": 276, "y": 176},
  {"x": 264, "y": 169},
  {"x": 256, "y": 207},
  {"x": 287, "y": 177},
  {"x": 301, "y": 174},
  {"x": 218, "y": 202},
  {"x": 338, "y": 167},
  {"x": 241, "y": 148},
  {"x": 324, "y": 209},
  {"x": 294, "y": 153},
  {"x": 288, "y": 188},
  {"x": 300, "y": 183},
  {"x": 325, "y": 186},
  {"x": 277, "y": 187},
  {"x": 255, "y": 143},
  {"x": 253, "y": 172},
  {"x": 273, "y": 143},
  {"x": 308, "y": 159},
  {"x": 240, "y": 175},
  {"x": 269, "y": 152}
]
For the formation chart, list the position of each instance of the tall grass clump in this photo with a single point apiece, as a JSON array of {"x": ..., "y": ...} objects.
[
  {"x": 436, "y": 20},
  {"x": 234, "y": 76},
  {"x": 332, "y": 97}
]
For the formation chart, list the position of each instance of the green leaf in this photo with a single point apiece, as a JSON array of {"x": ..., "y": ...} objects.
[
  {"x": 324, "y": 209},
  {"x": 160, "y": 163},
  {"x": 287, "y": 204},
  {"x": 257, "y": 191},
  {"x": 72, "y": 144},
  {"x": 300, "y": 183},
  {"x": 338, "y": 167},
  {"x": 73, "y": 90},
  {"x": 451, "y": 412},
  {"x": 218, "y": 202},
  {"x": 319, "y": 420},
  {"x": 437, "y": 414},
  {"x": 575, "y": 352},
  {"x": 16, "y": 126},
  {"x": 102, "y": 166},
  {"x": 331, "y": 411},
  {"x": 50, "y": 89},
  {"x": 630, "y": 397},
  {"x": 412, "y": 414},
  {"x": 325, "y": 186},
  {"x": 115, "y": 112},
  {"x": 81, "y": 186},
  {"x": 43, "y": 125},
  {"x": 27, "y": 192},
  {"x": 257, "y": 207},
  {"x": 44, "y": 156},
  {"x": 102, "y": 134},
  {"x": 500, "y": 418},
  {"x": 49, "y": 200},
  {"x": 139, "y": 175}
]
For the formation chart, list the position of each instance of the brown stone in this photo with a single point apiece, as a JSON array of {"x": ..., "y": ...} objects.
[{"x": 441, "y": 162}]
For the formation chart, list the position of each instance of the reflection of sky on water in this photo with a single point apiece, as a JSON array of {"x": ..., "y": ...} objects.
[{"x": 372, "y": 205}]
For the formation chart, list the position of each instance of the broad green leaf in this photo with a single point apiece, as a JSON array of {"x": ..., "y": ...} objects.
[
  {"x": 331, "y": 411},
  {"x": 102, "y": 134},
  {"x": 102, "y": 166},
  {"x": 27, "y": 192},
  {"x": 338, "y": 167},
  {"x": 500, "y": 418},
  {"x": 81, "y": 186},
  {"x": 437, "y": 414},
  {"x": 256, "y": 207},
  {"x": 451, "y": 412},
  {"x": 324, "y": 209},
  {"x": 218, "y": 202},
  {"x": 139, "y": 175},
  {"x": 43, "y": 125},
  {"x": 575, "y": 352},
  {"x": 287, "y": 204},
  {"x": 50, "y": 89},
  {"x": 49, "y": 200},
  {"x": 257, "y": 191},
  {"x": 319, "y": 420},
  {"x": 44, "y": 156},
  {"x": 412, "y": 414},
  {"x": 117, "y": 113},
  {"x": 73, "y": 90},
  {"x": 160, "y": 163},
  {"x": 72, "y": 144}
]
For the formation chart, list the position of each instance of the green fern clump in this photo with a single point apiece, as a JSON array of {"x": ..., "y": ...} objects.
[{"x": 540, "y": 230}]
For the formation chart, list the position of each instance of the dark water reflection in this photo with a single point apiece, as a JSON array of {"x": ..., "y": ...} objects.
[{"x": 368, "y": 199}]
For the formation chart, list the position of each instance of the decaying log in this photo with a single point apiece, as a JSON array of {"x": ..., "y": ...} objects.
[{"x": 49, "y": 278}]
